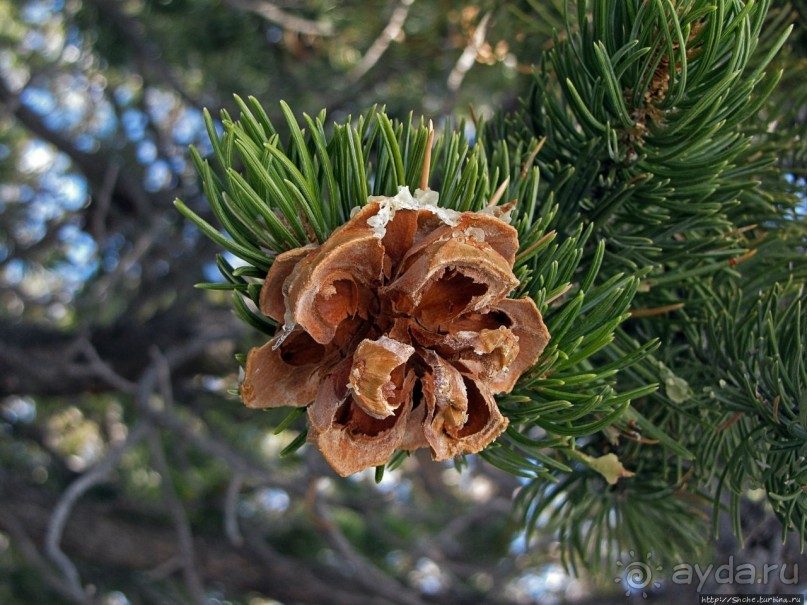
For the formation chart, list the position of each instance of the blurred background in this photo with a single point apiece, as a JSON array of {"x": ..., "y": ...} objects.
[{"x": 129, "y": 472}]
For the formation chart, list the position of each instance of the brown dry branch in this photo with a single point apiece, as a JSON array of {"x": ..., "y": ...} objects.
[
  {"x": 62, "y": 510},
  {"x": 231, "y": 528},
  {"x": 193, "y": 583},
  {"x": 184, "y": 534},
  {"x": 398, "y": 332},
  {"x": 466, "y": 61},
  {"x": 100, "y": 537},
  {"x": 288, "y": 21},
  {"x": 366, "y": 572},
  {"x": 30, "y": 553},
  {"x": 391, "y": 32}
]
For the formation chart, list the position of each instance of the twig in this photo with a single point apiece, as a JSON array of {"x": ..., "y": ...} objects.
[
  {"x": 189, "y": 430},
  {"x": 289, "y": 22},
  {"x": 12, "y": 104},
  {"x": 151, "y": 594},
  {"x": 468, "y": 56},
  {"x": 231, "y": 511},
  {"x": 366, "y": 574},
  {"x": 29, "y": 551},
  {"x": 98, "y": 367},
  {"x": 165, "y": 569},
  {"x": 71, "y": 495},
  {"x": 148, "y": 55},
  {"x": 93, "y": 165},
  {"x": 163, "y": 375},
  {"x": 382, "y": 42},
  {"x": 144, "y": 243},
  {"x": 103, "y": 200},
  {"x": 436, "y": 547},
  {"x": 220, "y": 450},
  {"x": 156, "y": 374},
  {"x": 159, "y": 375},
  {"x": 177, "y": 512},
  {"x": 318, "y": 589}
]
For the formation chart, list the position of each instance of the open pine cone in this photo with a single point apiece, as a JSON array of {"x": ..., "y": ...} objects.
[{"x": 398, "y": 330}]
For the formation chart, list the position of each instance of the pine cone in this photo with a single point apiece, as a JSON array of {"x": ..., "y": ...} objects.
[{"x": 398, "y": 330}]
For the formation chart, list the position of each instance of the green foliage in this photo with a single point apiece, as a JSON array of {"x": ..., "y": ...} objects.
[
  {"x": 638, "y": 172},
  {"x": 652, "y": 155},
  {"x": 760, "y": 424},
  {"x": 659, "y": 237},
  {"x": 653, "y": 118}
]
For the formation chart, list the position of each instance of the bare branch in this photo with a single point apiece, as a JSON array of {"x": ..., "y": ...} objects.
[
  {"x": 318, "y": 590},
  {"x": 33, "y": 357},
  {"x": 183, "y": 527},
  {"x": 109, "y": 541},
  {"x": 68, "y": 500},
  {"x": 95, "y": 166},
  {"x": 190, "y": 430},
  {"x": 145, "y": 242},
  {"x": 147, "y": 54},
  {"x": 165, "y": 569},
  {"x": 438, "y": 545},
  {"x": 103, "y": 200},
  {"x": 287, "y": 21},
  {"x": 367, "y": 574},
  {"x": 12, "y": 104},
  {"x": 163, "y": 373},
  {"x": 231, "y": 510},
  {"x": 98, "y": 367},
  {"x": 32, "y": 556},
  {"x": 380, "y": 45},
  {"x": 162, "y": 377},
  {"x": 222, "y": 451},
  {"x": 468, "y": 56}
]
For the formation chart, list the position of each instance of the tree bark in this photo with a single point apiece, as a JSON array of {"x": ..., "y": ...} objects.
[
  {"x": 35, "y": 360},
  {"x": 103, "y": 538}
]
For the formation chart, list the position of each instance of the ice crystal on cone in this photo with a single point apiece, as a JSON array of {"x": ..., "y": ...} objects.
[{"x": 397, "y": 332}]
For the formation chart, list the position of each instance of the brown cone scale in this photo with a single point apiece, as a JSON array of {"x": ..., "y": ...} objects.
[{"x": 397, "y": 334}]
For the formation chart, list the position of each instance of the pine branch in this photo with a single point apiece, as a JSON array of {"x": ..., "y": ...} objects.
[
  {"x": 283, "y": 197},
  {"x": 649, "y": 117}
]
